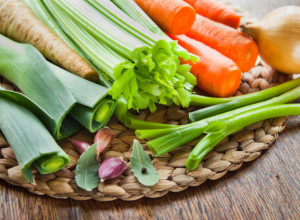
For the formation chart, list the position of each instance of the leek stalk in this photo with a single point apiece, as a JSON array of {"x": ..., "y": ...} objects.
[
  {"x": 59, "y": 93},
  {"x": 94, "y": 107},
  {"x": 24, "y": 66},
  {"x": 29, "y": 139}
]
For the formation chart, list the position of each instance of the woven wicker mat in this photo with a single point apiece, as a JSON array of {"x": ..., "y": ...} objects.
[{"x": 243, "y": 146}]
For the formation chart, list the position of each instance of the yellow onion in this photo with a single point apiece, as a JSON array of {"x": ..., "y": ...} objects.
[{"x": 278, "y": 38}]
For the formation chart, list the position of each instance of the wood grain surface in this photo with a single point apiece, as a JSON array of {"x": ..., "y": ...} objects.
[{"x": 267, "y": 188}]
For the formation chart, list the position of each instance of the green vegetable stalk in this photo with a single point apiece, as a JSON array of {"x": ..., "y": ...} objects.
[
  {"x": 30, "y": 140},
  {"x": 60, "y": 94},
  {"x": 38, "y": 7},
  {"x": 167, "y": 139},
  {"x": 24, "y": 66},
  {"x": 145, "y": 70},
  {"x": 240, "y": 101},
  {"x": 233, "y": 125},
  {"x": 94, "y": 106}
]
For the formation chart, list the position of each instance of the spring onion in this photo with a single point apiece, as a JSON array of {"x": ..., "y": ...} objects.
[
  {"x": 233, "y": 125},
  {"x": 239, "y": 101},
  {"x": 171, "y": 138}
]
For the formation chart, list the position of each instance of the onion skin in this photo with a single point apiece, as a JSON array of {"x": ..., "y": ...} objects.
[{"x": 278, "y": 38}]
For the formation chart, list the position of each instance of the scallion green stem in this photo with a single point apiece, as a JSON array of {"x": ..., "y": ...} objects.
[
  {"x": 238, "y": 101},
  {"x": 173, "y": 137},
  {"x": 236, "y": 123}
]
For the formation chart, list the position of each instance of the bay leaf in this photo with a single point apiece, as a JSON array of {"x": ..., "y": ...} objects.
[
  {"x": 86, "y": 174},
  {"x": 141, "y": 166}
]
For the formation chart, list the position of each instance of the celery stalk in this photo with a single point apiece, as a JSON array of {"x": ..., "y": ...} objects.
[
  {"x": 138, "y": 15},
  {"x": 130, "y": 8},
  {"x": 141, "y": 64},
  {"x": 46, "y": 17}
]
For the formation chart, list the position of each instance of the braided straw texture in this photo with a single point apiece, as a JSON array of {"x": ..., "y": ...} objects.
[{"x": 243, "y": 146}]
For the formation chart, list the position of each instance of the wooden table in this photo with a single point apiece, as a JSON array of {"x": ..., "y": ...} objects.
[{"x": 267, "y": 188}]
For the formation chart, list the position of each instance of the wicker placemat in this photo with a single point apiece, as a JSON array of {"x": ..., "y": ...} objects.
[{"x": 243, "y": 146}]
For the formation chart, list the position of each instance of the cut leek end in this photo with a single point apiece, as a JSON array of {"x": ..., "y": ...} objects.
[
  {"x": 103, "y": 111},
  {"x": 102, "y": 114},
  {"x": 51, "y": 163}
]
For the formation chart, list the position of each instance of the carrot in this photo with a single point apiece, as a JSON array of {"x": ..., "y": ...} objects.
[
  {"x": 216, "y": 74},
  {"x": 173, "y": 16},
  {"x": 228, "y": 41},
  {"x": 217, "y": 11},
  {"x": 19, "y": 23}
]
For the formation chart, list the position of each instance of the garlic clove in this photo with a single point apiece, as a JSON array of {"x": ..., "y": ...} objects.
[
  {"x": 111, "y": 168},
  {"x": 103, "y": 138},
  {"x": 80, "y": 146}
]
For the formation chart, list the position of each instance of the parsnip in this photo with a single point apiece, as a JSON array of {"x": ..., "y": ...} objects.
[{"x": 19, "y": 23}]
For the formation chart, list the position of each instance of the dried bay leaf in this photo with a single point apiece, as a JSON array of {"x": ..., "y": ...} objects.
[
  {"x": 86, "y": 174},
  {"x": 141, "y": 166}
]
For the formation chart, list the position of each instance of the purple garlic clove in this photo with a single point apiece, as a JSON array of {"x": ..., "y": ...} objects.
[
  {"x": 111, "y": 168},
  {"x": 80, "y": 146},
  {"x": 103, "y": 138}
]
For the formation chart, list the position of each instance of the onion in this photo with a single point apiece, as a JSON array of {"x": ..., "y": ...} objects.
[{"x": 278, "y": 38}]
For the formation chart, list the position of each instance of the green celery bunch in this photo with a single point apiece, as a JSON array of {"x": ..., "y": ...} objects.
[{"x": 145, "y": 71}]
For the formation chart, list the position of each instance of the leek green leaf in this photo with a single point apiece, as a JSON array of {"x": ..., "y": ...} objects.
[
  {"x": 29, "y": 139},
  {"x": 141, "y": 166},
  {"x": 24, "y": 66}
]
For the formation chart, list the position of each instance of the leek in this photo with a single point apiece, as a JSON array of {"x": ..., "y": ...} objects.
[
  {"x": 29, "y": 139},
  {"x": 51, "y": 87},
  {"x": 94, "y": 108},
  {"x": 24, "y": 66}
]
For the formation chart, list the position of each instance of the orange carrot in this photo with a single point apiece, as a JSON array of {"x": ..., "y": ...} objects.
[
  {"x": 19, "y": 23},
  {"x": 173, "y": 16},
  {"x": 228, "y": 41},
  {"x": 216, "y": 74},
  {"x": 217, "y": 11}
]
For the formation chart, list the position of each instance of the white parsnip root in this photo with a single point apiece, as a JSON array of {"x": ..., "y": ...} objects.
[{"x": 19, "y": 23}]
